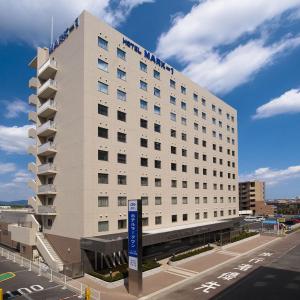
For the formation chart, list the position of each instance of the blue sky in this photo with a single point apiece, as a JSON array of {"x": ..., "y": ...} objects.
[{"x": 246, "y": 52}]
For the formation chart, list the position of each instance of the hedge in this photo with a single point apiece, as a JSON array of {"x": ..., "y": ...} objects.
[{"x": 190, "y": 253}]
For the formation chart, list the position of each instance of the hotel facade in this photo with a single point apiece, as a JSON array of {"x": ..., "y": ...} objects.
[{"x": 114, "y": 122}]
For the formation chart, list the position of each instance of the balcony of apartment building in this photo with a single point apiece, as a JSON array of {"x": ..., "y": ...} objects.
[
  {"x": 46, "y": 149},
  {"x": 46, "y": 210},
  {"x": 47, "y": 109},
  {"x": 32, "y": 133},
  {"x": 32, "y": 167},
  {"x": 47, "y": 70},
  {"x": 32, "y": 184},
  {"x": 33, "y": 99},
  {"x": 46, "y": 129},
  {"x": 32, "y": 150},
  {"x": 33, "y": 83},
  {"x": 46, "y": 169},
  {"x": 32, "y": 116},
  {"x": 46, "y": 189},
  {"x": 47, "y": 89}
]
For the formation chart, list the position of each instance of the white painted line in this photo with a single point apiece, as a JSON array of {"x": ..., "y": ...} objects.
[{"x": 177, "y": 274}]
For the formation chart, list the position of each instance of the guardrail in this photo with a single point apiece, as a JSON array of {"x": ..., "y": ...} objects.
[{"x": 43, "y": 270}]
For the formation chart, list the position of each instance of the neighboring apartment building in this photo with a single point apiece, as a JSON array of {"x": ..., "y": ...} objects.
[
  {"x": 114, "y": 122},
  {"x": 252, "y": 197}
]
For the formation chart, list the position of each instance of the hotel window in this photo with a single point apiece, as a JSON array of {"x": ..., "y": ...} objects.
[
  {"x": 229, "y": 212},
  {"x": 156, "y": 110},
  {"x": 184, "y": 168},
  {"x": 197, "y": 200},
  {"x": 174, "y": 218},
  {"x": 102, "y": 43},
  {"x": 122, "y": 180},
  {"x": 102, "y": 155},
  {"x": 157, "y": 200},
  {"x": 220, "y": 149},
  {"x": 196, "y": 155},
  {"x": 157, "y": 182},
  {"x": 183, "y": 90},
  {"x": 102, "y": 110},
  {"x": 173, "y": 167},
  {"x": 144, "y": 200},
  {"x": 183, "y": 121},
  {"x": 205, "y": 215},
  {"x": 203, "y": 129},
  {"x": 143, "y": 85},
  {"x": 143, "y": 67},
  {"x": 156, "y": 92},
  {"x": 195, "y": 97},
  {"x": 157, "y": 220},
  {"x": 204, "y": 171},
  {"x": 173, "y": 183},
  {"x": 215, "y": 213},
  {"x": 102, "y": 201},
  {"x": 145, "y": 221},
  {"x": 157, "y": 164},
  {"x": 228, "y": 128},
  {"x": 221, "y": 199},
  {"x": 103, "y": 132},
  {"x": 215, "y": 186},
  {"x": 196, "y": 112},
  {"x": 172, "y": 100},
  {"x": 184, "y": 217},
  {"x": 143, "y": 142},
  {"x": 220, "y": 136},
  {"x": 102, "y": 178},
  {"x": 205, "y": 200},
  {"x": 203, "y": 101},
  {"x": 121, "y": 74},
  {"x": 213, "y": 107},
  {"x": 204, "y": 143},
  {"x": 183, "y": 136},
  {"x": 183, "y": 105},
  {"x": 173, "y": 133},
  {"x": 205, "y": 185},
  {"x": 156, "y": 127},
  {"x": 196, "y": 126},
  {"x": 184, "y": 152},
  {"x": 122, "y": 201},
  {"x": 196, "y": 170},
  {"x": 121, "y": 95},
  {"x": 215, "y": 173},
  {"x": 121, "y": 137},
  {"x": 173, "y": 149},
  {"x": 214, "y": 134},
  {"x": 121, "y": 54},
  {"x": 220, "y": 111},
  {"x": 228, "y": 116},
  {"x": 184, "y": 200},
  {"x": 214, "y": 121},
  {"x": 102, "y": 65},
  {"x": 197, "y": 216},
  {"x": 204, "y": 157},
  {"x": 143, "y": 104},
  {"x": 121, "y": 116},
  {"x": 102, "y": 226},
  {"x": 220, "y": 124},
  {"x": 122, "y": 224},
  {"x": 184, "y": 184},
  {"x": 144, "y": 181},
  {"x": 232, "y": 118},
  {"x": 173, "y": 117},
  {"x": 102, "y": 87},
  {"x": 215, "y": 200},
  {"x": 156, "y": 74},
  {"x": 144, "y": 123},
  {"x": 157, "y": 146},
  {"x": 172, "y": 84},
  {"x": 144, "y": 162},
  {"x": 174, "y": 200},
  {"x": 234, "y": 199},
  {"x": 121, "y": 158},
  {"x": 234, "y": 211},
  {"x": 232, "y": 130},
  {"x": 214, "y": 160},
  {"x": 203, "y": 116}
]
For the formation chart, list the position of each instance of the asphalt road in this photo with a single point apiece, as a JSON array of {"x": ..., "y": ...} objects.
[
  {"x": 271, "y": 273},
  {"x": 27, "y": 285}
]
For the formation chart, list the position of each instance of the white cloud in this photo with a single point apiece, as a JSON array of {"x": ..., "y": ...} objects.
[
  {"x": 14, "y": 139},
  {"x": 14, "y": 108},
  {"x": 287, "y": 103},
  {"x": 271, "y": 176},
  {"x": 7, "y": 168},
  {"x": 195, "y": 40},
  {"x": 30, "y": 20}
]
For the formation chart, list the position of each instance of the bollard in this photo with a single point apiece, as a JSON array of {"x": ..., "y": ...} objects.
[
  {"x": 87, "y": 293},
  {"x": 1, "y": 294}
]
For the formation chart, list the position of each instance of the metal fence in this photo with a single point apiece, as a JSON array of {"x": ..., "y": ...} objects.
[{"x": 53, "y": 276}]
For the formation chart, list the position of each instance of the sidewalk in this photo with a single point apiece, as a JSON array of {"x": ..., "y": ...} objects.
[{"x": 174, "y": 274}]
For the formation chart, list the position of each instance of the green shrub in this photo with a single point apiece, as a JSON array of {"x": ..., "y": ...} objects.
[{"x": 190, "y": 253}]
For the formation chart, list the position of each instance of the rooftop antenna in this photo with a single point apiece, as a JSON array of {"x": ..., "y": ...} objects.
[{"x": 51, "y": 31}]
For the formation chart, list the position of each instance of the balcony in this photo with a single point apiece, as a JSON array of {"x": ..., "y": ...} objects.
[
  {"x": 33, "y": 99},
  {"x": 32, "y": 150},
  {"x": 47, "y": 109},
  {"x": 48, "y": 210},
  {"x": 46, "y": 149},
  {"x": 48, "y": 89},
  {"x": 32, "y": 184},
  {"x": 33, "y": 83},
  {"x": 46, "y": 129},
  {"x": 32, "y": 133},
  {"x": 32, "y": 116},
  {"x": 32, "y": 167},
  {"x": 33, "y": 202},
  {"x": 46, "y": 169},
  {"x": 48, "y": 69},
  {"x": 46, "y": 189}
]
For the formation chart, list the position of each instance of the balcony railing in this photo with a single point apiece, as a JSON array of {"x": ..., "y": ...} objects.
[
  {"x": 47, "y": 189},
  {"x": 32, "y": 99},
  {"x": 46, "y": 169},
  {"x": 46, "y": 128},
  {"x": 32, "y": 116},
  {"x": 48, "y": 69},
  {"x": 48, "y": 89},
  {"x": 46, "y": 210},
  {"x": 31, "y": 150},
  {"x": 33, "y": 83},
  {"x": 47, "y": 109},
  {"x": 46, "y": 149}
]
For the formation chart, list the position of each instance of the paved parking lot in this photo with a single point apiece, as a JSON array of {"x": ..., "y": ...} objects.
[{"x": 28, "y": 285}]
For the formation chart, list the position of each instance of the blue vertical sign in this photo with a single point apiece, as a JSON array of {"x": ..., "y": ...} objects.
[{"x": 133, "y": 234}]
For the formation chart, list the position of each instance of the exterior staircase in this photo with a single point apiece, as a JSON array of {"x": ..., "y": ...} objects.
[{"x": 48, "y": 253}]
